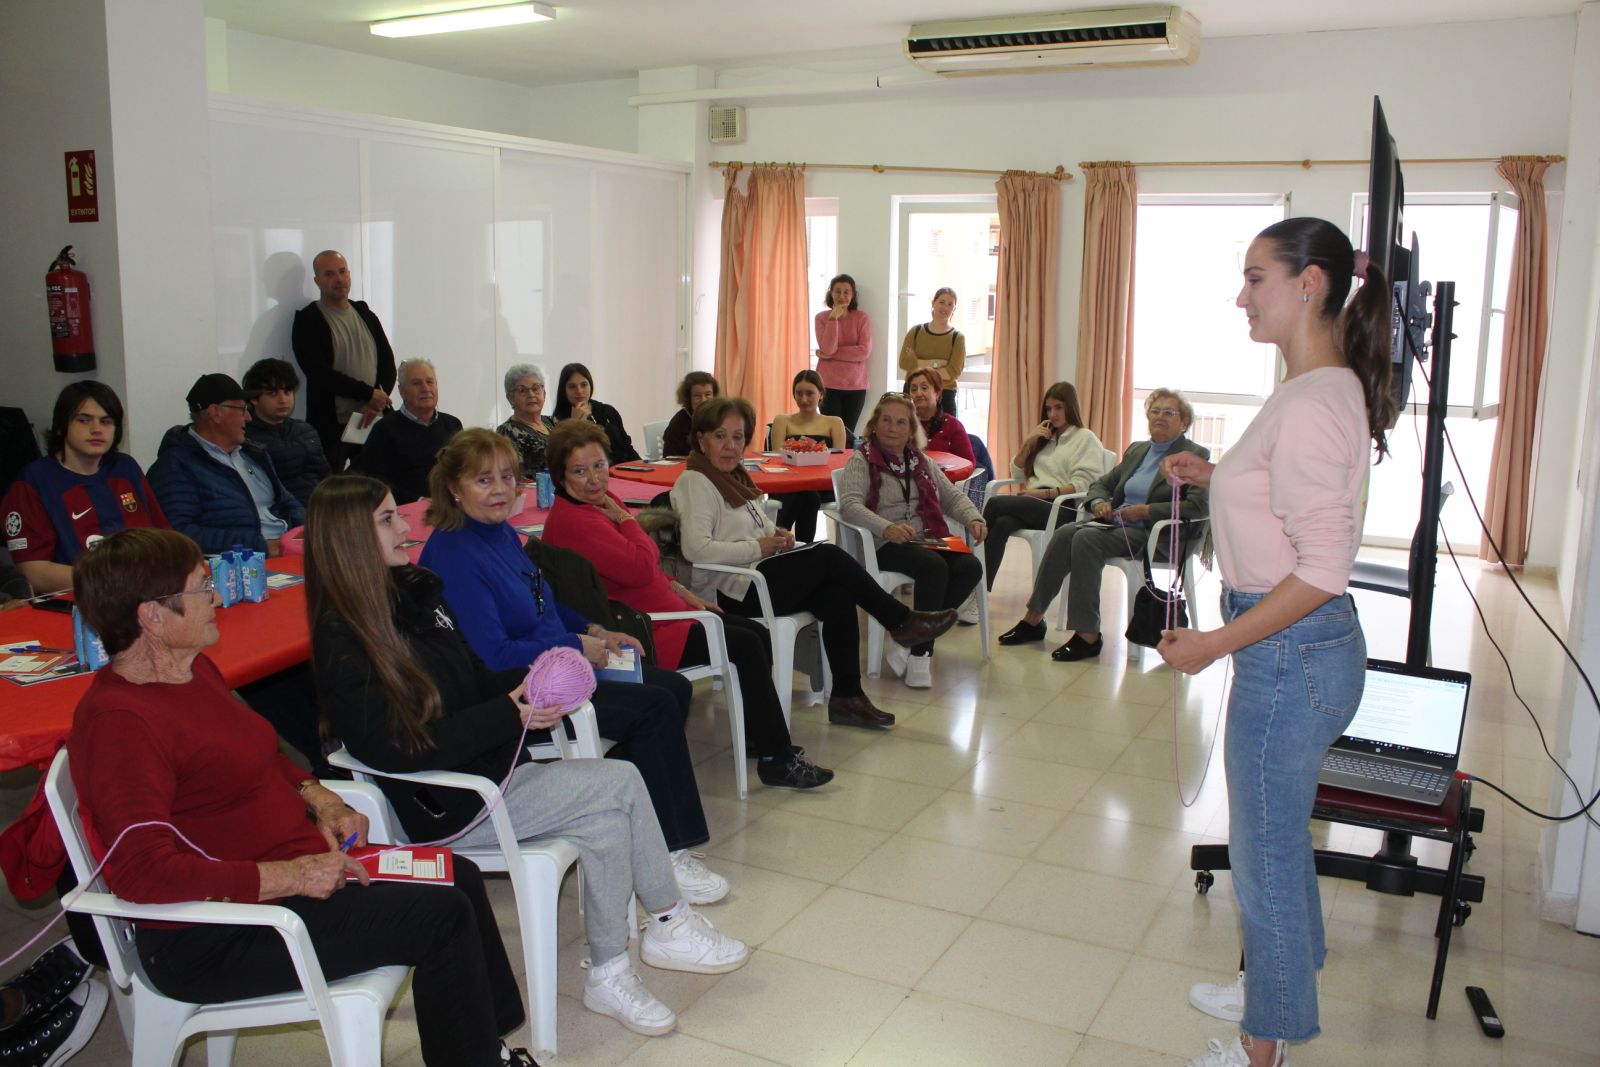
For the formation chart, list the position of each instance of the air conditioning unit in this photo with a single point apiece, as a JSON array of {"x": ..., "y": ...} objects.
[
  {"x": 726, "y": 124},
  {"x": 1072, "y": 40}
]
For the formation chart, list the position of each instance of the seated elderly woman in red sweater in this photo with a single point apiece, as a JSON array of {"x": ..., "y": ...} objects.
[
  {"x": 588, "y": 519},
  {"x": 945, "y": 433},
  {"x": 159, "y": 743}
]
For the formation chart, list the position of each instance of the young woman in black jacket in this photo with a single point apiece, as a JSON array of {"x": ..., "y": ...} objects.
[
  {"x": 575, "y": 400},
  {"x": 399, "y": 685}
]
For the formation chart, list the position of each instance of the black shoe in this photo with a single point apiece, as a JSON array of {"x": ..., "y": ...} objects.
[
  {"x": 1024, "y": 632},
  {"x": 858, "y": 711},
  {"x": 516, "y": 1057},
  {"x": 1077, "y": 648},
  {"x": 46, "y": 982},
  {"x": 796, "y": 772},
  {"x": 61, "y": 1032}
]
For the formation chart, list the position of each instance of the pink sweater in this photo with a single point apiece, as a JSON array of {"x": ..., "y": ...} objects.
[
  {"x": 1287, "y": 499},
  {"x": 843, "y": 346}
]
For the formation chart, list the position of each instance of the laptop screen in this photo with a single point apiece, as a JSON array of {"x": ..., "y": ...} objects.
[{"x": 1409, "y": 713}]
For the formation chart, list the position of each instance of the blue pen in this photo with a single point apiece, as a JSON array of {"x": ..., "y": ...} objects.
[{"x": 348, "y": 842}]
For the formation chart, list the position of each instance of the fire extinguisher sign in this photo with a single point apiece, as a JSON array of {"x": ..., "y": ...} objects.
[{"x": 83, "y": 182}]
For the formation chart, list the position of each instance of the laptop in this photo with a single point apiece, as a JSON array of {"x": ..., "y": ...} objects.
[{"x": 1405, "y": 740}]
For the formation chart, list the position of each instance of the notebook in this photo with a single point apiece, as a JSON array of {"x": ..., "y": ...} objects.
[{"x": 1405, "y": 740}]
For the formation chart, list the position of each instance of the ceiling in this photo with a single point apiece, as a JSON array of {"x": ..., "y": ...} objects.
[{"x": 597, "y": 39}]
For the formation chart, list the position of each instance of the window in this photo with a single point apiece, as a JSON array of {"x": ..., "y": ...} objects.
[
  {"x": 949, "y": 243},
  {"x": 822, "y": 250},
  {"x": 1187, "y": 332}
]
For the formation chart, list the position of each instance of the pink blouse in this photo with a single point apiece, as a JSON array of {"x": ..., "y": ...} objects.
[
  {"x": 843, "y": 345},
  {"x": 1287, "y": 499}
]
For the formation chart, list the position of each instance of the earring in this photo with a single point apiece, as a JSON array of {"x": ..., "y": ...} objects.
[{"x": 1305, "y": 298}]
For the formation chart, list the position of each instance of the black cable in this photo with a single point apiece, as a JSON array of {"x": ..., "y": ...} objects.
[{"x": 1483, "y": 524}]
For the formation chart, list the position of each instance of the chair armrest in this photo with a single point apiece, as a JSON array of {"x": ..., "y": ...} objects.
[
  {"x": 760, "y": 580},
  {"x": 716, "y": 634},
  {"x": 1056, "y": 504},
  {"x": 992, "y": 486},
  {"x": 1186, "y": 537},
  {"x": 368, "y": 800}
]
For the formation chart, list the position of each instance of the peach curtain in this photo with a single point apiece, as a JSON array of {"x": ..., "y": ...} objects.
[
  {"x": 1521, "y": 367},
  {"x": 763, "y": 331},
  {"x": 1025, "y": 305},
  {"x": 1105, "y": 303}
]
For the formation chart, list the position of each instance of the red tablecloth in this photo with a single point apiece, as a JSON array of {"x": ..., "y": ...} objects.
[
  {"x": 791, "y": 480},
  {"x": 255, "y": 640}
]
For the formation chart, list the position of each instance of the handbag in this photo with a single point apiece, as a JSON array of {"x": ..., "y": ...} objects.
[{"x": 1150, "y": 609}]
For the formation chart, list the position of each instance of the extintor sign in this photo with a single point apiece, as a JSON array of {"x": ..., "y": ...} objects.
[{"x": 83, "y": 181}]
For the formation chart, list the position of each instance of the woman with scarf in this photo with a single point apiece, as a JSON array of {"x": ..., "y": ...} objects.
[
  {"x": 722, "y": 522},
  {"x": 891, "y": 489},
  {"x": 944, "y": 431}
]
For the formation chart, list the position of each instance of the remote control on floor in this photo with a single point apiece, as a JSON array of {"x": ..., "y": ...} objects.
[{"x": 1487, "y": 1019}]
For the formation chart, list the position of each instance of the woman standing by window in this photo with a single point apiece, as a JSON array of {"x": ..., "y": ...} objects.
[
  {"x": 937, "y": 345},
  {"x": 1286, "y": 514},
  {"x": 844, "y": 341}
]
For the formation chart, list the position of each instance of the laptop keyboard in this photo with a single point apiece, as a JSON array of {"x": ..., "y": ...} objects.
[{"x": 1421, "y": 779}]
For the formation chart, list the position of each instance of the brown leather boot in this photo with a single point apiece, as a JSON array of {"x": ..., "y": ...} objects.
[
  {"x": 858, "y": 711},
  {"x": 923, "y": 626}
]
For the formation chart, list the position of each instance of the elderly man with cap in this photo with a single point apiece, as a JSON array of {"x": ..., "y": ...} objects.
[
  {"x": 341, "y": 348},
  {"x": 214, "y": 485}
]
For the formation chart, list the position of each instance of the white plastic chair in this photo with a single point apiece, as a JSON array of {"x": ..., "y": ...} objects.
[
  {"x": 536, "y": 869},
  {"x": 725, "y": 673},
  {"x": 857, "y": 541},
  {"x": 785, "y": 629},
  {"x": 351, "y": 1010},
  {"x": 653, "y": 434},
  {"x": 1039, "y": 540},
  {"x": 1133, "y": 569}
]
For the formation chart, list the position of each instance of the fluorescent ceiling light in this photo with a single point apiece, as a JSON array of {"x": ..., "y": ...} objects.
[{"x": 474, "y": 18}]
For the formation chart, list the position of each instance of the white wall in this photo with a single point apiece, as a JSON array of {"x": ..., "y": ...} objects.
[
  {"x": 270, "y": 68},
  {"x": 595, "y": 114},
  {"x": 1279, "y": 97}
]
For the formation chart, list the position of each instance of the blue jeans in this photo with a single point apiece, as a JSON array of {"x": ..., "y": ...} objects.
[{"x": 1294, "y": 693}]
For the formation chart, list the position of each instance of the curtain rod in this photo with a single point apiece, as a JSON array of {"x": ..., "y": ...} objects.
[
  {"x": 1060, "y": 173},
  {"x": 1307, "y": 164}
]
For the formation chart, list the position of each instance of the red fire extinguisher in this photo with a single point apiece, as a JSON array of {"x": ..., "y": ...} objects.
[{"x": 66, "y": 290}]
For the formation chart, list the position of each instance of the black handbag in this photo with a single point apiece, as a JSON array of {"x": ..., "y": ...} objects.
[{"x": 1150, "y": 609}]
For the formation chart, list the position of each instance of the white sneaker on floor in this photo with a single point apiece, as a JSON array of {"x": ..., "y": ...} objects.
[
  {"x": 919, "y": 672},
  {"x": 1225, "y": 1002},
  {"x": 615, "y": 989},
  {"x": 897, "y": 654},
  {"x": 690, "y": 943},
  {"x": 698, "y": 883},
  {"x": 1232, "y": 1054},
  {"x": 967, "y": 615}
]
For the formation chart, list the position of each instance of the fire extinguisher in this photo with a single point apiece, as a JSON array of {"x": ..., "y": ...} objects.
[{"x": 66, "y": 290}]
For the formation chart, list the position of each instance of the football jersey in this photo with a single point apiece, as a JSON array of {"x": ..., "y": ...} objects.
[{"x": 53, "y": 514}]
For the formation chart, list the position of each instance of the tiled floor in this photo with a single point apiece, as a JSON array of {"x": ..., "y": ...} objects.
[{"x": 1003, "y": 879}]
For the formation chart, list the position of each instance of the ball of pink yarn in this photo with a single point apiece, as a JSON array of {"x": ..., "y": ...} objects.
[{"x": 559, "y": 678}]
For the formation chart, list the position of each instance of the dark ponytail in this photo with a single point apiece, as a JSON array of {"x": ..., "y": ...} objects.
[{"x": 1361, "y": 328}]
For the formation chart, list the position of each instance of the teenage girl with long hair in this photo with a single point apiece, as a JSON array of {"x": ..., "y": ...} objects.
[{"x": 1286, "y": 516}]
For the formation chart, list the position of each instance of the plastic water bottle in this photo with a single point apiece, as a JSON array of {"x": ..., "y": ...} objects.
[{"x": 546, "y": 492}]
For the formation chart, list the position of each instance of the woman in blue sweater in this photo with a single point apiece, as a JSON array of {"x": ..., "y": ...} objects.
[{"x": 509, "y": 614}]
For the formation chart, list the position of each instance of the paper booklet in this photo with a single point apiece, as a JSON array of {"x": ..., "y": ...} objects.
[{"x": 406, "y": 863}]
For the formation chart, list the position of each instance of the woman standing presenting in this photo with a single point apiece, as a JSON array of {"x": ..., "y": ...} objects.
[
  {"x": 1286, "y": 514},
  {"x": 937, "y": 345},
  {"x": 844, "y": 341}
]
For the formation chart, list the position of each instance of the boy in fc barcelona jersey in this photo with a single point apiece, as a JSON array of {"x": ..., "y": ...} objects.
[{"x": 81, "y": 492}]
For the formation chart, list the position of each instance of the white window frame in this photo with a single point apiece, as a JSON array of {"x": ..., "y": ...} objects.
[
  {"x": 905, "y": 207},
  {"x": 1477, "y": 409}
]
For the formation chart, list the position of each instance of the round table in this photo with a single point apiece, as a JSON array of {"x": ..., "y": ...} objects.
[{"x": 817, "y": 478}]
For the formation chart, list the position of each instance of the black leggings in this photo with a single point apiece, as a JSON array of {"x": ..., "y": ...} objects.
[
  {"x": 1005, "y": 515},
  {"x": 798, "y": 512},
  {"x": 465, "y": 993},
  {"x": 845, "y": 403},
  {"x": 750, "y": 651},
  {"x": 825, "y": 581},
  {"x": 646, "y": 721},
  {"x": 940, "y": 579}
]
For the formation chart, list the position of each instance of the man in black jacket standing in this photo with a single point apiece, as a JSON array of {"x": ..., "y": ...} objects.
[{"x": 341, "y": 347}]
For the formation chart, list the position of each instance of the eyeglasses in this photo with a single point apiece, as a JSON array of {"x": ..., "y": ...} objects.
[
  {"x": 235, "y": 407},
  {"x": 527, "y": 390},
  {"x": 1165, "y": 413},
  {"x": 207, "y": 587}
]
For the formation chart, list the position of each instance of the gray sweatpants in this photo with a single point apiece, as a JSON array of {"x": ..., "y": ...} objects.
[
  {"x": 601, "y": 806},
  {"x": 1081, "y": 551}
]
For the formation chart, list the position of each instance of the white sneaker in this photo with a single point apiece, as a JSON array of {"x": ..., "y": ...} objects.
[
  {"x": 919, "y": 672},
  {"x": 1232, "y": 1054},
  {"x": 1225, "y": 1002},
  {"x": 690, "y": 943},
  {"x": 698, "y": 883},
  {"x": 897, "y": 654},
  {"x": 615, "y": 989},
  {"x": 967, "y": 615}
]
